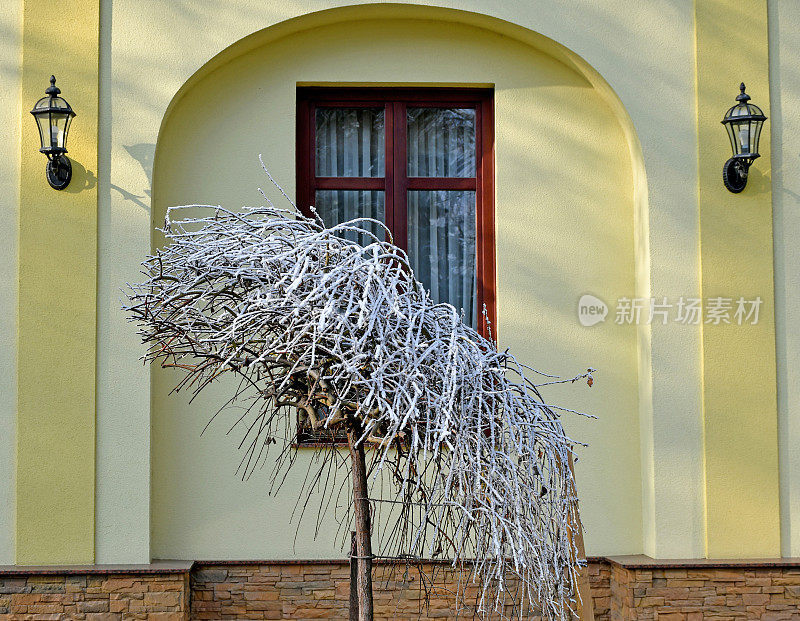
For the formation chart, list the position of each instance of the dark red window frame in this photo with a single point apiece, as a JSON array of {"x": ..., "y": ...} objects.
[{"x": 396, "y": 181}]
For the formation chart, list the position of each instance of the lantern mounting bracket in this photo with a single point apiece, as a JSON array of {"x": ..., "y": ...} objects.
[
  {"x": 59, "y": 172},
  {"x": 734, "y": 173}
]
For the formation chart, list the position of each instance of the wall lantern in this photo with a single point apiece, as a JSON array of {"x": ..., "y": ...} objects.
[
  {"x": 53, "y": 116},
  {"x": 743, "y": 123}
]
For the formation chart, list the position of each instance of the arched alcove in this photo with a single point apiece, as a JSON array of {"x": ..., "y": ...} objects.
[{"x": 568, "y": 182}]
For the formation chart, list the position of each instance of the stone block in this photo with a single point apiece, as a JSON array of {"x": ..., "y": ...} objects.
[
  {"x": 210, "y": 575},
  {"x": 99, "y": 605},
  {"x": 755, "y": 599}
]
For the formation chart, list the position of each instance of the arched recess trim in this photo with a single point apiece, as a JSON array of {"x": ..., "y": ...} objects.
[
  {"x": 416, "y": 11},
  {"x": 583, "y": 78}
]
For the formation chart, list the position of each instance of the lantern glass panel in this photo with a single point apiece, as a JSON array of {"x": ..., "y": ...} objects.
[
  {"x": 743, "y": 136},
  {"x": 57, "y": 102},
  {"x": 755, "y": 136},
  {"x": 59, "y": 128},
  {"x": 43, "y": 123},
  {"x": 740, "y": 110},
  {"x": 731, "y": 137},
  {"x": 42, "y": 104}
]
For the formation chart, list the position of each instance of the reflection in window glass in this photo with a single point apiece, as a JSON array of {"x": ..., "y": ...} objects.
[
  {"x": 441, "y": 247},
  {"x": 350, "y": 142},
  {"x": 441, "y": 142},
  {"x": 337, "y": 206}
]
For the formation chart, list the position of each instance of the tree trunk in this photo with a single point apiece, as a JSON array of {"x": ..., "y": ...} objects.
[
  {"x": 353, "y": 578},
  {"x": 363, "y": 537}
]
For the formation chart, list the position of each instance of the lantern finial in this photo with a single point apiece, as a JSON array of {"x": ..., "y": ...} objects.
[
  {"x": 742, "y": 97},
  {"x": 53, "y": 90}
]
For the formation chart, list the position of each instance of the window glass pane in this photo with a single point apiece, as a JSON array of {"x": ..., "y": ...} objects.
[
  {"x": 441, "y": 247},
  {"x": 337, "y": 206},
  {"x": 441, "y": 142},
  {"x": 350, "y": 142}
]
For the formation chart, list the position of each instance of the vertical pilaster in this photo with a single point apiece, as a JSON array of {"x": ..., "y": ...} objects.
[
  {"x": 739, "y": 378},
  {"x": 11, "y": 50},
  {"x": 57, "y": 295},
  {"x": 784, "y": 41}
]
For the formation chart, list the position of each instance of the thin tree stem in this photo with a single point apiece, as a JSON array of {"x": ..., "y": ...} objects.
[
  {"x": 353, "y": 578},
  {"x": 362, "y": 523}
]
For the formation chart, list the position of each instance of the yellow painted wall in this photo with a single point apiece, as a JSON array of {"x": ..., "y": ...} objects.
[
  {"x": 739, "y": 377},
  {"x": 634, "y": 60},
  {"x": 626, "y": 200},
  {"x": 564, "y": 228},
  {"x": 122, "y": 494},
  {"x": 784, "y": 59},
  {"x": 57, "y": 301},
  {"x": 707, "y": 469},
  {"x": 10, "y": 107}
]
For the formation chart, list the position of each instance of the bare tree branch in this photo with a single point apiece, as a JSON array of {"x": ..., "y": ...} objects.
[{"x": 470, "y": 460}]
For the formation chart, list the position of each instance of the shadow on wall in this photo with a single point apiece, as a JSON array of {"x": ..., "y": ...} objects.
[
  {"x": 82, "y": 179},
  {"x": 143, "y": 153}
]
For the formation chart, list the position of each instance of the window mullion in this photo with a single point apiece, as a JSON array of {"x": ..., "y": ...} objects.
[
  {"x": 388, "y": 168},
  {"x": 311, "y": 156},
  {"x": 400, "y": 190}
]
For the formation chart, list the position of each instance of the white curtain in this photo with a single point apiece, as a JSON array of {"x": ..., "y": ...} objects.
[
  {"x": 441, "y": 223},
  {"x": 441, "y": 246},
  {"x": 337, "y": 206},
  {"x": 441, "y": 142},
  {"x": 350, "y": 142}
]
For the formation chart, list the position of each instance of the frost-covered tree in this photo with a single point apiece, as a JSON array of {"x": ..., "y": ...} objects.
[{"x": 474, "y": 466}]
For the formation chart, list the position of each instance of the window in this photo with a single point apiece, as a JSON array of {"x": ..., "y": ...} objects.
[{"x": 419, "y": 160}]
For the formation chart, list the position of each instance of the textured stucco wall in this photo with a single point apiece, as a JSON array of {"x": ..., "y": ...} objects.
[
  {"x": 55, "y": 435},
  {"x": 784, "y": 75},
  {"x": 122, "y": 514},
  {"x": 739, "y": 400},
  {"x": 10, "y": 108},
  {"x": 646, "y": 55},
  {"x": 564, "y": 227},
  {"x": 625, "y": 62}
]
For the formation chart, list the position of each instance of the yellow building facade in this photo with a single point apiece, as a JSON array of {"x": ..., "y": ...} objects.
[{"x": 608, "y": 158}]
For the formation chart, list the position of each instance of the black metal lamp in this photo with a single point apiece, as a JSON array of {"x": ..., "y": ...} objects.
[
  {"x": 53, "y": 116},
  {"x": 743, "y": 122}
]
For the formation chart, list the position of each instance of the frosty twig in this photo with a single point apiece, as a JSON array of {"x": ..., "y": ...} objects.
[{"x": 343, "y": 333}]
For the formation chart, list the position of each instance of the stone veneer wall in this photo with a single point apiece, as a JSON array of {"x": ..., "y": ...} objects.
[
  {"x": 623, "y": 588},
  {"x": 320, "y": 590},
  {"x": 158, "y": 592},
  {"x": 691, "y": 591}
]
